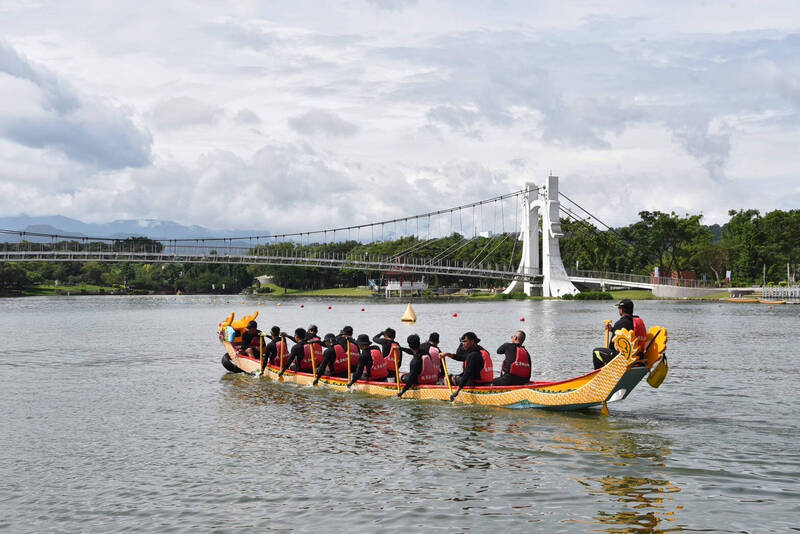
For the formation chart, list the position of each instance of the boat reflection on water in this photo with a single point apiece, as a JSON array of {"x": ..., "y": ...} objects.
[
  {"x": 646, "y": 500},
  {"x": 631, "y": 495}
]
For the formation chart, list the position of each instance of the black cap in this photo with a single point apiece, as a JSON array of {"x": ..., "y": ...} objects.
[
  {"x": 626, "y": 305},
  {"x": 363, "y": 339},
  {"x": 252, "y": 324},
  {"x": 413, "y": 341},
  {"x": 434, "y": 337},
  {"x": 312, "y": 328},
  {"x": 470, "y": 335},
  {"x": 347, "y": 330},
  {"x": 330, "y": 337}
]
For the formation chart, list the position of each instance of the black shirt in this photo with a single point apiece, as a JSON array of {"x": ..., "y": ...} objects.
[
  {"x": 364, "y": 362},
  {"x": 474, "y": 365},
  {"x": 414, "y": 369},
  {"x": 247, "y": 337},
  {"x": 626, "y": 321},
  {"x": 297, "y": 353}
]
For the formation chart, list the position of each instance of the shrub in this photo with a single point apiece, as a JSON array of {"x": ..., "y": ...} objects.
[{"x": 594, "y": 295}]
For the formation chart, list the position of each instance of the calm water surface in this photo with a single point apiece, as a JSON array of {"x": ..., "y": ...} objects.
[{"x": 119, "y": 417}]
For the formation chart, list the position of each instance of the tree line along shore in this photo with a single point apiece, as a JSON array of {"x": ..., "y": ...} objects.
[{"x": 755, "y": 249}]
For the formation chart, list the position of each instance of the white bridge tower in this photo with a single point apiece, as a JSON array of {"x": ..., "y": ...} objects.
[{"x": 541, "y": 203}]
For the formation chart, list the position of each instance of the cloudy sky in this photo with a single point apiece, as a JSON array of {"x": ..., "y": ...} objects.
[{"x": 300, "y": 115}]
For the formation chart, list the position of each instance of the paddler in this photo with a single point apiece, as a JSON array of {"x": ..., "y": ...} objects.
[
  {"x": 371, "y": 359},
  {"x": 411, "y": 378},
  {"x": 390, "y": 348},
  {"x": 328, "y": 357},
  {"x": 602, "y": 355},
  {"x": 516, "y": 368},
  {"x": 297, "y": 352},
  {"x": 477, "y": 364},
  {"x": 431, "y": 347},
  {"x": 252, "y": 340},
  {"x": 275, "y": 347}
]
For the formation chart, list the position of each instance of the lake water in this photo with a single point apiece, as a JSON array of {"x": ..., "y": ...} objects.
[{"x": 117, "y": 416}]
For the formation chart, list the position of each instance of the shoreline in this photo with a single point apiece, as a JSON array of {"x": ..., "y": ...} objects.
[{"x": 336, "y": 293}]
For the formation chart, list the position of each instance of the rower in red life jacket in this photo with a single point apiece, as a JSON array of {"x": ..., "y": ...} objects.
[
  {"x": 371, "y": 359},
  {"x": 516, "y": 368},
  {"x": 420, "y": 368},
  {"x": 297, "y": 352},
  {"x": 348, "y": 343},
  {"x": 328, "y": 357},
  {"x": 390, "y": 349},
  {"x": 251, "y": 340},
  {"x": 431, "y": 347},
  {"x": 478, "y": 370},
  {"x": 603, "y": 355},
  {"x": 276, "y": 352}
]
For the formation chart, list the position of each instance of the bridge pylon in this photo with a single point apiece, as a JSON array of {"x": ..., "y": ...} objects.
[{"x": 541, "y": 204}]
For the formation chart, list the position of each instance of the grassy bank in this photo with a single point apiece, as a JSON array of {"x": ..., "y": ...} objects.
[
  {"x": 277, "y": 291},
  {"x": 81, "y": 289}
]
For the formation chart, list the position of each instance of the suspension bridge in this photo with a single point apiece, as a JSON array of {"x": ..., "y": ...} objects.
[{"x": 530, "y": 217}]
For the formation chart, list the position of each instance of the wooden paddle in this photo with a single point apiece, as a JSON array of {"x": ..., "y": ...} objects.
[
  {"x": 313, "y": 363},
  {"x": 447, "y": 377},
  {"x": 348, "y": 360},
  {"x": 261, "y": 353},
  {"x": 396, "y": 369},
  {"x": 607, "y": 331}
]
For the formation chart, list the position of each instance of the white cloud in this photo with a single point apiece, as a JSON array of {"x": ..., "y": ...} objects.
[
  {"x": 183, "y": 112},
  {"x": 43, "y": 111},
  {"x": 406, "y": 105},
  {"x": 319, "y": 121}
]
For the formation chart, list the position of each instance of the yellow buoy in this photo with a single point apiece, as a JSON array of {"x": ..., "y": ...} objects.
[{"x": 409, "y": 316}]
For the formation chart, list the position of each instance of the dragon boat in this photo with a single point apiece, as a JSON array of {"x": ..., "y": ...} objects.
[{"x": 612, "y": 382}]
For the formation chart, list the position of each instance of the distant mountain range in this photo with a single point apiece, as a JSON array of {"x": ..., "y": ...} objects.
[{"x": 152, "y": 228}]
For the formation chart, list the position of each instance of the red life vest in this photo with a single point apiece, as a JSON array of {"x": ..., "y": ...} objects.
[
  {"x": 341, "y": 361},
  {"x": 521, "y": 367},
  {"x": 487, "y": 373},
  {"x": 378, "y": 365},
  {"x": 436, "y": 359},
  {"x": 281, "y": 351},
  {"x": 308, "y": 350},
  {"x": 395, "y": 350},
  {"x": 352, "y": 349},
  {"x": 641, "y": 333},
  {"x": 429, "y": 374}
]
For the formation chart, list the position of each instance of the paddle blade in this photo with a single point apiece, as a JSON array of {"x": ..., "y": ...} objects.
[{"x": 659, "y": 372}]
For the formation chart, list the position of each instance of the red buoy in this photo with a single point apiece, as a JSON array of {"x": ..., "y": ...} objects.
[
  {"x": 329, "y": 307},
  {"x": 522, "y": 319},
  {"x": 362, "y": 309},
  {"x": 455, "y": 315},
  {"x": 302, "y": 305}
]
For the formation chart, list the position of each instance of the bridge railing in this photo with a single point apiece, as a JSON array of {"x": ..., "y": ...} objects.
[
  {"x": 640, "y": 278},
  {"x": 363, "y": 262}
]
